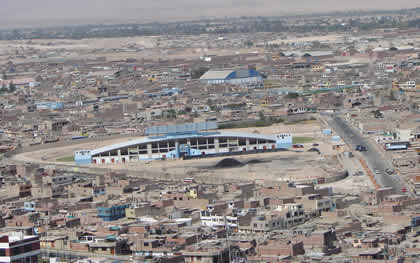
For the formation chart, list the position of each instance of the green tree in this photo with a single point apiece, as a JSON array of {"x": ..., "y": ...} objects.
[
  {"x": 261, "y": 115},
  {"x": 292, "y": 95},
  {"x": 249, "y": 43},
  {"x": 12, "y": 87},
  {"x": 197, "y": 73}
]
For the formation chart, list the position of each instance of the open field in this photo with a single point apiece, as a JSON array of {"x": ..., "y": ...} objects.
[{"x": 302, "y": 139}]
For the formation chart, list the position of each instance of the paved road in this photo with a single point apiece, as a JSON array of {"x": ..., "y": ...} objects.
[{"x": 373, "y": 157}]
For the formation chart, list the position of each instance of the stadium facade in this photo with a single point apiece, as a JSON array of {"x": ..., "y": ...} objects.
[{"x": 180, "y": 145}]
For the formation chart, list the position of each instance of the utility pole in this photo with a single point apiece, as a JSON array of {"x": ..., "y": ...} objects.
[{"x": 227, "y": 238}]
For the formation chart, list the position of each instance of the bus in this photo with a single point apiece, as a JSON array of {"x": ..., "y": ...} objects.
[
  {"x": 397, "y": 146},
  {"x": 189, "y": 180}
]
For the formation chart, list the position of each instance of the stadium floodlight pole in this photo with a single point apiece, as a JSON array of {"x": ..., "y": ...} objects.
[{"x": 227, "y": 238}]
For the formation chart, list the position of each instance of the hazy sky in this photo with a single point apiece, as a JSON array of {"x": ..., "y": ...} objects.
[{"x": 50, "y": 12}]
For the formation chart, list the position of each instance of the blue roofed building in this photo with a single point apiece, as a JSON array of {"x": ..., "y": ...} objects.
[{"x": 235, "y": 77}]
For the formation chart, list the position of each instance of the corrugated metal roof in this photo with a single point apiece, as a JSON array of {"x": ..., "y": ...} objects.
[
  {"x": 216, "y": 74},
  {"x": 182, "y": 136}
]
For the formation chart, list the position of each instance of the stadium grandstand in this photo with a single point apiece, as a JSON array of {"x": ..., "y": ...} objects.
[{"x": 183, "y": 143}]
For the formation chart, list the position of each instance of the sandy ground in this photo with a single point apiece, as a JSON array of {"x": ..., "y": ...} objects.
[
  {"x": 352, "y": 184},
  {"x": 89, "y": 43},
  {"x": 327, "y": 38},
  {"x": 148, "y": 47}
]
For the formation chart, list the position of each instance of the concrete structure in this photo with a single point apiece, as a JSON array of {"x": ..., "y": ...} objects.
[
  {"x": 112, "y": 213},
  {"x": 181, "y": 145},
  {"x": 16, "y": 247}
]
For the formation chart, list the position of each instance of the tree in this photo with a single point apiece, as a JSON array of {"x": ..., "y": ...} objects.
[
  {"x": 197, "y": 73},
  {"x": 249, "y": 43},
  {"x": 38, "y": 78},
  {"x": 4, "y": 75},
  {"x": 261, "y": 115},
  {"x": 292, "y": 95},
  {"x": 12, "y": 87}
]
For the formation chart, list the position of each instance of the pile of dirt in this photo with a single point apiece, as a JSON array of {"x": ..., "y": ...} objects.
[
  {"x": 314, "y": 150},
  {"x": 255, "y": 161},
  {"x": 228, "y": 163}
]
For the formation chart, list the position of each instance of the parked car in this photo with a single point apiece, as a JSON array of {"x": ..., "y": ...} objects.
[
  {"x": 298, "y": 146},
  {"x": 315, "y": 144},
  {"x": 361, "y": 148}
]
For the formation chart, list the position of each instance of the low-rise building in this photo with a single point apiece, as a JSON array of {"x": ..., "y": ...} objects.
[{"x": 17, "y": 247}]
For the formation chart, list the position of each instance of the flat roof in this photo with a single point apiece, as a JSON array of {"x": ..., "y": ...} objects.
[{"x": 216, "y": 74}]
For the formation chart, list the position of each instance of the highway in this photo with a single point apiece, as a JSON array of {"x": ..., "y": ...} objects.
[{"x": 372, "y": 156}]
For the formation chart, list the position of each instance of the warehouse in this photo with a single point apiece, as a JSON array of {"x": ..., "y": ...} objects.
[
  {"x": 234, "y": 77},
  {"x": 180, "y": 145}
]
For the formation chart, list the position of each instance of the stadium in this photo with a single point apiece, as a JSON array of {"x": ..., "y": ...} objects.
[{"x": 183, "y": 144}]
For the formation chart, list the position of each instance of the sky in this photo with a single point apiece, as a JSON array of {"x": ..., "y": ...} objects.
[{"x": 62, "y": 12}]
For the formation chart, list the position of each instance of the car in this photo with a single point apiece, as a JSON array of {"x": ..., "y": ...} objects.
[
  {"x": 377, "y": 171},
  {"x": 315, "y": 144},
  {"x": 404, "y": 190},
  {"x": 361, "y": 148},
  {"x": 298, "y": 146},
  {"x": 389, "y": 171}
]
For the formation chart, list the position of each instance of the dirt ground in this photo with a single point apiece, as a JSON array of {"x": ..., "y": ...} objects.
[{"x": 142, "y": 47}]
